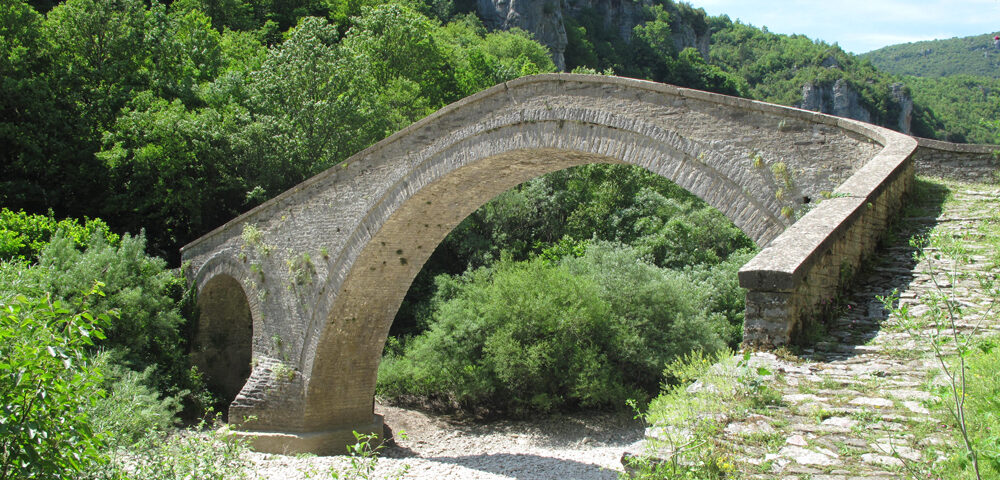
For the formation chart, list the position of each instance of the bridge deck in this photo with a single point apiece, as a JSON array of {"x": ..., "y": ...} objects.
[{"x": 856, "y": 405}]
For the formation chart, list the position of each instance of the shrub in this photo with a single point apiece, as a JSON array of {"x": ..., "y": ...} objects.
[
  {"x": 983, "y": 405},
  {"x": 46, "y": 383},
  {"x": 23, "y": 235},
  {"x": 139, "y": 287},
  {"x": 131, "y": 411},
  {"x": 537, "y": 335},
  {"x": 522, "y": 336},
  {"x": 193, "y": 454}
]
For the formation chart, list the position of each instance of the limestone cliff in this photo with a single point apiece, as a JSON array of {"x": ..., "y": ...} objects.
[
  {"x": 838, "y": 99},
  {"x": 544, "y": 19},
  {"x": 842, "y": 100},
  {"x": 905, "y": 102}
]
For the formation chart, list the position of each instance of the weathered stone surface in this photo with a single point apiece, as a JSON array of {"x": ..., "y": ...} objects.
[
  {"x": 873, "y": 377},
  {"x": 963, "y": 162},
  {"x": 838, "y": 99}
]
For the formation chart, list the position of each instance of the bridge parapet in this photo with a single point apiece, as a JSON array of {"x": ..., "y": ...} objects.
[
  {"x": 799, "y": 274},
  {"x": 957, "y": 161}
]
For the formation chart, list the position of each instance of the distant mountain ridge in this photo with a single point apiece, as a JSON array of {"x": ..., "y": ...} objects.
[{"x": 975, "y": 55}]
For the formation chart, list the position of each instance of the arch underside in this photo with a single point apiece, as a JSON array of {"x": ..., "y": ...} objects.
[
  {"x": 344, "y": 353},
  {"x": 223, "y": 342}
]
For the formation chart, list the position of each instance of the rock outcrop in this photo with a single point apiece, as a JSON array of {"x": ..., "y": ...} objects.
[
  {"x": 544, "y": 20},
  {"x": 838, "y": 99},
  {"x": 842, "y": 100},
  {"x": 905, "y": 101}
]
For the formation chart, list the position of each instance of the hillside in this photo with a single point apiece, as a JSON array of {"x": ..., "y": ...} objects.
[
  {"x": 976, "y": 55},
  {"x": 965, "y": 108}
]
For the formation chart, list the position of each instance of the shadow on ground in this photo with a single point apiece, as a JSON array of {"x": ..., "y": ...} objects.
[{"x": 859, "y": 314}]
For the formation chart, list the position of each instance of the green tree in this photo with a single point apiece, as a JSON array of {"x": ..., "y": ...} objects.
[
  {"x": 401, "y": 49},
  {"x": 23, "y": 235},
  {"x": 146, "y": 331}
]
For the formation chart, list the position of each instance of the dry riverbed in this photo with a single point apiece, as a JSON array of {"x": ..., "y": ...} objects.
[{"x": 579, "y": 446}]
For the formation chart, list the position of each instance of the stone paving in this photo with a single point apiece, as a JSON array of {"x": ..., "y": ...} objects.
[{"x": 856, "y": 404}]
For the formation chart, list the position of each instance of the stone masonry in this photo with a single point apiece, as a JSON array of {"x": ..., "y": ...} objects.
[{"x": 323, "y": 267}]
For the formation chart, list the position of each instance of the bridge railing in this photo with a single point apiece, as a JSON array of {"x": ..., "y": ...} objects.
[{"x": 800, "y": 273}]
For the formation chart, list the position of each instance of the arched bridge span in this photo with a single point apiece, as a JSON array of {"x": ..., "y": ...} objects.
[{"x": 324, "y": 266}]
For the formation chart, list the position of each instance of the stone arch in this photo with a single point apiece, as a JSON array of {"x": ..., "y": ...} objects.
[
  {"x": 383, "y": 256},
  {"x": 393, "y": 202},
  {"x": 222, "y": 346}
]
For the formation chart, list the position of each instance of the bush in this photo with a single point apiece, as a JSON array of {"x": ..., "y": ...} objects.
[
  {"x": 537, "y": 335},
  {"x": 131, "y": 411},
  {"x": 193, "y": 454},
  {"x": 23, "y": 235},
  {"x": 46, "y": 383},
  {"x": 147, "y": 331}
]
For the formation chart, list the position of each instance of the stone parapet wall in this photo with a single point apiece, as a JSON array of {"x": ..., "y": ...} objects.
[
  {"x": 800, "y": 273},
  {"x": 957, "y": 161}
]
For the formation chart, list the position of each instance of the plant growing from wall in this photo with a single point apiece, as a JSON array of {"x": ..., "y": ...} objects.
[
  {"x": 301, "y": 269},
  {"x": 254, "y": 238}
]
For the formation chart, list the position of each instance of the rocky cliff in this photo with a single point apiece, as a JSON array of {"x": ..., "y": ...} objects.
[
  {"x": 842, "y": 100},
  {"x": 838, "y": 99},
  {"x": 544, "y": 19}
]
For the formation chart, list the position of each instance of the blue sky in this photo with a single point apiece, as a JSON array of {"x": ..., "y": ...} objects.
[{"x": 859, "y": 26}]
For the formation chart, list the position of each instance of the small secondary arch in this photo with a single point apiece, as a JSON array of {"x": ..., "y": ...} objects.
[{"x": 222, "y": 346}]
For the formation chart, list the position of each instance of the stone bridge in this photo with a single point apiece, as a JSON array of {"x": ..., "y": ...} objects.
[{"x": 297, "y": 295}]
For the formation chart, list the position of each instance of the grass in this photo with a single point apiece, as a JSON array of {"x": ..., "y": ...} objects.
[{"x": 710, "y": 391}]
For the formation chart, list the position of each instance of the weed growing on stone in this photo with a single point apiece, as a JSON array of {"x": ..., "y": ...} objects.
[{"x": 687, "y": 419}]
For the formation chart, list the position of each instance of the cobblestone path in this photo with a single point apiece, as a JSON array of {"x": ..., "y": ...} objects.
[{"x": 857, "y": 403}]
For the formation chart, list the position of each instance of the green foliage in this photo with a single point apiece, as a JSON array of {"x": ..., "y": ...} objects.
[
  {"x": 618, "y": 203},
  {"x": 139, "y": 287},
  {"x": 651, "y": 53},
  {"x": 703, "y": 389},
  {"x": 776, "y": 67},
  {"x": 46, "y": 384},
  {"x": 201, "y": 453},
  {"x": 975, "y": 55},
  {"x": 23, "y": 235},
  {"x": 963, "y": 106},
  {"x": 588, "y": 331},
  {"x": 364, "y": 459},
  {"x": 983, "y": 404},
  {"x": 481, "y": 60},
  {"x": 130, "y": 411}
]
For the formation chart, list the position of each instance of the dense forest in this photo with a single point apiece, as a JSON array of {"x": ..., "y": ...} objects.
[
  {"x": 966, "y": 108},
  {"x": 977, "y": 55},
  {"x": 129, "y": 128}
]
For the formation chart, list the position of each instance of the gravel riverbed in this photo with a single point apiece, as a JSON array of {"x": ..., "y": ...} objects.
[{"x": 578, "y": 446}]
